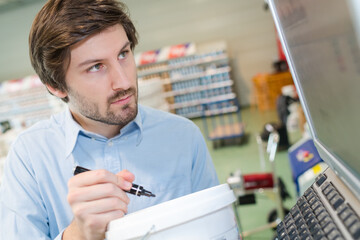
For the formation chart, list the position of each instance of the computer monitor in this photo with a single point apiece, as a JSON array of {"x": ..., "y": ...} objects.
[{"x": 321, "y": 40}]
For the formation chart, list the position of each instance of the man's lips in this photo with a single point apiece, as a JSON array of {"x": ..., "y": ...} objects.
[{"x": 123, "y": 100}]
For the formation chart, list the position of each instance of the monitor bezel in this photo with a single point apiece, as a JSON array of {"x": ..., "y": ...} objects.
[{"x": 332, "y": 160}]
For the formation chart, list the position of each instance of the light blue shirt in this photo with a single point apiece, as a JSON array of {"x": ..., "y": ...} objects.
[{"x": 166, "y": 153}]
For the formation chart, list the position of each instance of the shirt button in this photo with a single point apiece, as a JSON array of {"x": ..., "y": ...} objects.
[{"x": 110, "y": 144}]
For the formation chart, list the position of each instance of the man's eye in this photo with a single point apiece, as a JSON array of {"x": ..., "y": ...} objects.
[
  {"x": 123, "y": 54},
  {"x": 95, "y": 68}
]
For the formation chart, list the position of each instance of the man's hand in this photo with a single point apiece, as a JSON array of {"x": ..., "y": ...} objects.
[{"x": 96, "y": 197}]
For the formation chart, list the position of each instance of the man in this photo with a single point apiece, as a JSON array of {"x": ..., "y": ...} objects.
[{"x": 83, "y": 52}]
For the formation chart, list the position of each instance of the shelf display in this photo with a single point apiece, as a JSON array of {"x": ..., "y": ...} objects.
[
  {"x": 190, "y": 81},
  {"x": 26, "y": 101}
]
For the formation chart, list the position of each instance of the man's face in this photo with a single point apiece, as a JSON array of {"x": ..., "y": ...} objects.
[{"x": 101, "y": 79}]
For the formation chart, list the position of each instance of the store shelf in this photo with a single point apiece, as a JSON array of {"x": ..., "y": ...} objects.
[
  {"x": 221, "y": 111},
  {"x": 202, "y": 101},
  {"x": 208, "y": 72},
  {"x": 217, "y": 108},
  {"x": 168, "y": 65},
  {"x": 26, "y": 101},
  {"x": 191, "y": 81},
  {"x": 200, "y": 88}
]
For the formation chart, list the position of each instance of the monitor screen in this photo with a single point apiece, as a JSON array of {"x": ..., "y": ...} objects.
[{"x": 321, "y": 42}]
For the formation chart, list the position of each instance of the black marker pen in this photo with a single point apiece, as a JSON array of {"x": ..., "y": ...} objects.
[{"x": 135, "y": 189}]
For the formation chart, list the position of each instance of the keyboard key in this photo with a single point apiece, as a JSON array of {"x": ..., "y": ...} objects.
[
  {"x": 328, "y": 190},
  {"x": 329, "y": 227},
  {"x": 296, "y": 215},
  {"x": 301, "y": 202},
  {"x": 294, "y": 209},
  {"x": 291, "y": 227},
  {"x": 305, "y": 210},
  {"x": 308, "y": 214},
  {"x": 310, "y": 196},
  {"x": 285, "y": 238},
  {"x": 325, "y": 186},
  {"x": 311, "y": 221},
  {"x": 336, "y": 201},
  {"x": 301, "y": 227},
  {"x": 326, "y": 220},
  {"x": 299, "y": 222},
  {"x": 289, "y": 222},
  {"x": 318, "y": 235},
  {"x": 345, "y": 214},
  {"x": 287, "y": 218},
  {"x": 316, "y": 204},
  {"x": 319, "y": 210},
  {"x": 339, "y": 238},
  {"x": 355, "y": 230},
  {"x": 292, "y": 233},
  {"x": 297, "y": 218},
  {"x": 341, "y": 208},
  {"x": 322, "y": 215},
  {"x": 308, "y": 191},
  {"x": 313, "y": 200},
  {"x": 320, "y": 179},
  {"x": 280, "y": 225},
  {"x": 350, "y": 220},
  {"x": 334, "y": 234},
  {"x": 315, "y": 228},
  {"x": 281, "y": 233},
  {"x": 305, "y": 235},
  {"x": 332, "y": 194}
]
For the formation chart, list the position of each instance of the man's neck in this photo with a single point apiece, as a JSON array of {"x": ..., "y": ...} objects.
[{"x": 103, "y": 129}]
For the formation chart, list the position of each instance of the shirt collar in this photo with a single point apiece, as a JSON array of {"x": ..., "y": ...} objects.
[
  {"x": 72, "y": 130},
  {"x": 134, "y": 125}
]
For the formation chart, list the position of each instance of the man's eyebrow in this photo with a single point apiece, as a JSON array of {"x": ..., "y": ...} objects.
[
  {"x": 125, "y": 46},
  {"x": 89, "y": 61}
]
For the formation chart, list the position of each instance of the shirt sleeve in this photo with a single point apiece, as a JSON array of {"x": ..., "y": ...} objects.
[
  {"x": 203, "y": 171},
  {"x": 22, "y": 211}
]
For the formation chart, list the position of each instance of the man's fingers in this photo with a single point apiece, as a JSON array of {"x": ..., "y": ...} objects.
[
  {"x": 99, "y": 207},
  {"x": 102, "y": 176},
  {"x": 96, "y": 192},
  {"x": 128, "y": 176}
]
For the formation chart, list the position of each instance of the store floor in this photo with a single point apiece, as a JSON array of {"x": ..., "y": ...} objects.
[{"x": 246, "y": 157}]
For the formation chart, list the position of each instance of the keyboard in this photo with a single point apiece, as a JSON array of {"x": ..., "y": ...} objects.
[{"x": 326, "y": 211}]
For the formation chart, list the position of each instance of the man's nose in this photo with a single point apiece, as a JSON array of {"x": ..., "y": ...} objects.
[{"x": 119, "y": 78}]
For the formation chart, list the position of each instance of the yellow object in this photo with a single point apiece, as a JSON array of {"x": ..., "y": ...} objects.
[
  {"x": 268, "y": 88},
  {"x": 317, "y": 169}
]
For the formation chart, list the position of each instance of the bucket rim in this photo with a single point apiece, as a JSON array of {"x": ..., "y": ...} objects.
[{"x": 186, "y": 208}]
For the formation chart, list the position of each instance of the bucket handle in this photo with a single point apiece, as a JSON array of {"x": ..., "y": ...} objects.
[{"x": 147, "y": 235}]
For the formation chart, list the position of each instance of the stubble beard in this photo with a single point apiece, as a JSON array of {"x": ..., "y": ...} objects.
[{"x": 90, "y": 110}]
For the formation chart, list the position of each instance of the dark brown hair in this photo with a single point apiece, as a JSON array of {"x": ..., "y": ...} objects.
[{"x": 62, "y": 23}]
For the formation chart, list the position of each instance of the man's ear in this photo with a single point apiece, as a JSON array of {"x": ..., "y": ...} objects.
[{"x": 56, "y": 92}]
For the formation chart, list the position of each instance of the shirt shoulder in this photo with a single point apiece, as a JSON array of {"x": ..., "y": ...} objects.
[
  {"x": 43, "y": 128},
  {"x": 151, "y": 117}
]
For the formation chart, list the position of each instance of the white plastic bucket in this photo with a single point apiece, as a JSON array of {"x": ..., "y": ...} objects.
[{"x": 207, "y": 214}]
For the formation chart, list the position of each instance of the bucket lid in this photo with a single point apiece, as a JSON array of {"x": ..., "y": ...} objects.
[{"x": 171, "y": 213}]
